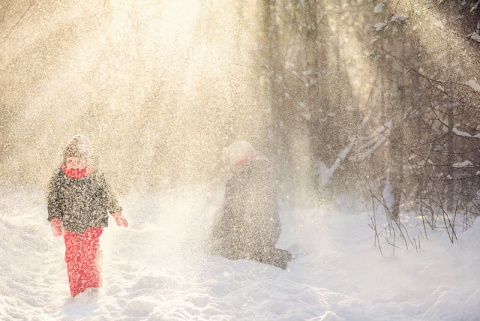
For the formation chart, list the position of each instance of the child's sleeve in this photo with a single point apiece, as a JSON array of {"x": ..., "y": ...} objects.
[
  {"x": 113, "y": 205},
  {"x": 53, "y": 200}
]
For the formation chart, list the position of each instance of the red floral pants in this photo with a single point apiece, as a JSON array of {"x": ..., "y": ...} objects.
[{"x": 82, "y": 256}]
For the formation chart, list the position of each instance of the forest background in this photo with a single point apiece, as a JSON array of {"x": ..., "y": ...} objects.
[{"x": 368, "y": 98}]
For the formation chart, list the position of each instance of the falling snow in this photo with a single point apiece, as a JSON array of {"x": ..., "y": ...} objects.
[{"x": 161, "y": 87}]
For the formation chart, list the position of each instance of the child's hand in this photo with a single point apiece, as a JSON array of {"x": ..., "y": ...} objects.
[
  {"x": 56, "y": 226},
  {"x": 120, "y": 219}
]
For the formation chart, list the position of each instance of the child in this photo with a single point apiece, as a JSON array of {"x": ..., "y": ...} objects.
[
  {"x": 248, "y": 224},
  {"x": 79, "y": 200}
]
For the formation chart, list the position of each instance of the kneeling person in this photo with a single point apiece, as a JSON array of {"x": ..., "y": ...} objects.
[{"x": 248, "y": 225}]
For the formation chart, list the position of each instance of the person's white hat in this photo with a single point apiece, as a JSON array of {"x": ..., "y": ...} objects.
[{"x": 238, "y": 151}]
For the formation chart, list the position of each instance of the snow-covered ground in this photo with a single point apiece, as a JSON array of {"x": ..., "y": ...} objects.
[{"x": 156, "y": 269}]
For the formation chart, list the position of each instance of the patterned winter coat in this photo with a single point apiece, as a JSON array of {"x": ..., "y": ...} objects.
[
  {"x": 248, "y": 224},
  {"x": 81, "y": 202}
]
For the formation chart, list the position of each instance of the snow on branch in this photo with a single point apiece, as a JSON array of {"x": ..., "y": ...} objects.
[
  {"x": 463, "y": 164},
  {"x": 379, "y": 8},
  {"x": 476, "y": 34},
  {"x": 475, "y": 6},
  {"x": 473, "y": 84},
  {"x": 368, "y": 145},
  {"x": 461, "y": 133},
  {"x": 325, "y": 172}
]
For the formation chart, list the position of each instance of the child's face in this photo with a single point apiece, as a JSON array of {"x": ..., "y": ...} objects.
[{"x": 75, "y": 163}]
